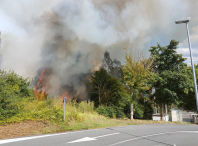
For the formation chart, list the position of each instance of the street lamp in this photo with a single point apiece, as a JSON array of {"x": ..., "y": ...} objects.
[{"x": 186, "y": 20}]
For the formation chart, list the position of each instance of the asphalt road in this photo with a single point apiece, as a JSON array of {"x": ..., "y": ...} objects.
[{"x": 134, "y": 135}]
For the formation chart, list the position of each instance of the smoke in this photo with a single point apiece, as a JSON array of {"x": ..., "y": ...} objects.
[{"x": 67, "y": 38}]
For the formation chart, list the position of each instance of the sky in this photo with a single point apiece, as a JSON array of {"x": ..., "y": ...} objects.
[{"x": 55, "y": 33}]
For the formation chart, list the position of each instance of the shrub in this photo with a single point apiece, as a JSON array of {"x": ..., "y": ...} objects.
[
  {"x": 85, "y": 106},
  {"x": 8, "y": 108},
  {"x": 112, "y": 112},
  {"x": 12, "y": 88},
  {"x": 52, "y": 110}
]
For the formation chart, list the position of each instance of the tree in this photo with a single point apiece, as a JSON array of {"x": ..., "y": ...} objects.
[
  {"x": 171, "y": 86},
  {"x": 187, "y": 100},
  {"x": 166, "y": 58},
  {"x": 171, "y": 83},
  {"x": 107, "y": 90},
  {"x": 136, "y": 74},
  {"x": 99, "y": 86},
  {"x": 113, "y": 68}
]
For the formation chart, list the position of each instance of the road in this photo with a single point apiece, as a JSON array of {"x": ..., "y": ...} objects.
[{"x": 133, "y": 135}]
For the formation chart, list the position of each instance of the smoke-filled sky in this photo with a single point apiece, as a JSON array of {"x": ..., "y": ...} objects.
[{"x": 70, "y": 36}]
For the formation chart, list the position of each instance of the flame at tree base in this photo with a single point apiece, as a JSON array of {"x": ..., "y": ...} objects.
[{"x": 39, "y": 88}]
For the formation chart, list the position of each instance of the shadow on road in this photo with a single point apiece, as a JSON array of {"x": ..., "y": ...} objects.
[{"x": 140, "y": 137}]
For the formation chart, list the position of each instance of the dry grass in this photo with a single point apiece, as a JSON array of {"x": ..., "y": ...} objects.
[
  {"x": 35, "y": 128},
  {"x": 23, "y": 129}
]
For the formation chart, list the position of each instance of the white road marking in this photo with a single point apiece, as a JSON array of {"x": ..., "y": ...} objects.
[
  {"x": 41, "y": 136},
  {"x": 91, "y": 138},
  {"x": 106, "y": 135},
  {"x": 150, "y": 136},
  {"x": 83, "y": 139}
]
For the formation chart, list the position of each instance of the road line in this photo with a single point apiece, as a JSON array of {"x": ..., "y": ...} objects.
[
  {"x": 41, "y": 136},
  {"x": 151, "y": 136},
  {"x": 90, "y": 138},
  {"x": 106, "y": 135}
]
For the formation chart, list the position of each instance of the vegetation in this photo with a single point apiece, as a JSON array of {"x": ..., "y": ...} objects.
[
  {"x": 12, "y": 89},
  {"x": 173, "y": 83},
  {"x": 137, "y": 74},
  {"x": 187, "y": 100},
  {"x": 113, "y": 88},
  {"x": 52, "y": 110}
]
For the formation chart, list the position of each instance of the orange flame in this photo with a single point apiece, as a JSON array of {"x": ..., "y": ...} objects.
[{"x": 39, "y": 88}]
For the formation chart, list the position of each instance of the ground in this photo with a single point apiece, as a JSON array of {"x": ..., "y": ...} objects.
[
  {"x": 23, "y": 129},
  {"x": 39, "y": 127}
]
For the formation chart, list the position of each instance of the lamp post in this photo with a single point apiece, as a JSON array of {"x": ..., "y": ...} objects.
[{"x": 186, "y": 20}]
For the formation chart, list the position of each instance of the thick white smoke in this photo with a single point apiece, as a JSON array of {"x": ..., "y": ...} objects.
[{"x": 68, "y": 37}]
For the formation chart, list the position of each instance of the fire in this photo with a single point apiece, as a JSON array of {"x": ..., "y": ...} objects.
[{"x": 39, "y": 88}]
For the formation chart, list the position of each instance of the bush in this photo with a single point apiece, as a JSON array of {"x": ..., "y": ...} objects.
[
  {"x": 12, "y": 88},
  {"x": 143, "y": 108},
  {"x": 110, "y": 111},
  {"x": 8, "y": 108},
  {"x": 148, "y": 110},
  {"x": 52, "y": 110}
]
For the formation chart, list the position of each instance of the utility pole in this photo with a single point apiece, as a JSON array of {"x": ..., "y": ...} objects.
[{"x": 0, "y": 53}]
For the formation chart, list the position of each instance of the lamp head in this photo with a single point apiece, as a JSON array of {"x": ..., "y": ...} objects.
[{"x": 183, "y": 20}]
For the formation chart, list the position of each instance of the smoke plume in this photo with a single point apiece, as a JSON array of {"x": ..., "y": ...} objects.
[{"x": 67, "y": 38}]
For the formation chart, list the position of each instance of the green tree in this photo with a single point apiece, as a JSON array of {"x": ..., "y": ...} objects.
[
  {"x": 99, "y": 86},
  {"x": 172, "y": 83},
  {"x": 166, "y": 58},
  {"x": 136, "y": 76},
  {"x": 108, "y": 91},
  {"x": 171, "y": 86},
  {"x": 187, "y": 100}
]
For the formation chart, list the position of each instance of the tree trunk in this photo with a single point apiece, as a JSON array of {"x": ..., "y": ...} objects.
[
  {"x": 131, "y": 111},
  {"x": 171, "y": 105},
  {"x": 162, "y": 112},
  {"x": 131, "y": 106}
]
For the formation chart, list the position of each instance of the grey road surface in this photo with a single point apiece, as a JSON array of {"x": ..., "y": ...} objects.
[{"x": 134, "y": 135}]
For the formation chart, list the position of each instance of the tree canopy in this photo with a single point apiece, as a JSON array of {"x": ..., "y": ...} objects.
[
  {"x": 166, "y": 58},
  {"x": 137, "y": 74},
  {"x": 174, "y": 83},
  {"x": 107, "y": 90}
]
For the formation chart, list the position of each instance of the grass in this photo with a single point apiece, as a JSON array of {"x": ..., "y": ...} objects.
[
  {"x": 38, "y": 117},
  {"x": 41, "y": 127}
]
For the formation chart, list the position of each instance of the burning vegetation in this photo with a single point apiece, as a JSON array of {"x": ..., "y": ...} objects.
[{"x": 39, "y": 87}]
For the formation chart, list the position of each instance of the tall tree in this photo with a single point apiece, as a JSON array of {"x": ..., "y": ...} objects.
[
  {"x": 99, "y": 85},
  {"x": 166, "y": 58},
  {"x": 171, "y": 84},
  {"x": 113, "y": 67},
  {"x": 136, "y": 74},
  {"x": 107, "y": 90},
  {"x": 187, "y": 100}
]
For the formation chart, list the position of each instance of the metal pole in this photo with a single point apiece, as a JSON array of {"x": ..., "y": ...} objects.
[
  {"x": 64, "y": 107},
  {"x": 193, "y": 70}
]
